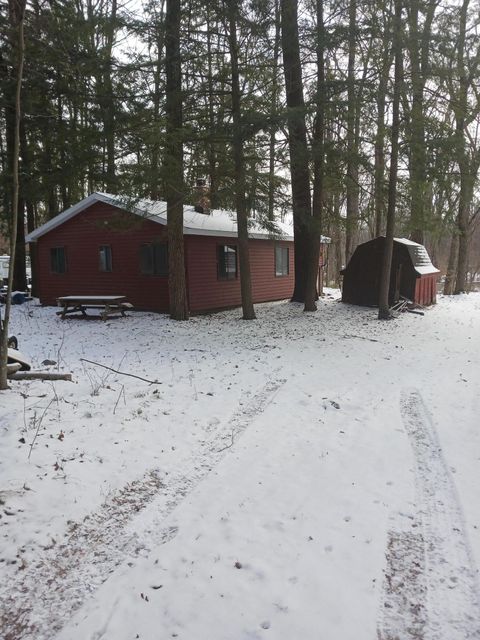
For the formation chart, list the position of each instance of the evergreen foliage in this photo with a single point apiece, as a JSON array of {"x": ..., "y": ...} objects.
[{"x": 94, "y": 114}]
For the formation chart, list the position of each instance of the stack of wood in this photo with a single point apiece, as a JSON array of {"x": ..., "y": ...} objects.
[
  {"x": 401, "y": 305},
  {"x": 404, "y": 304}
]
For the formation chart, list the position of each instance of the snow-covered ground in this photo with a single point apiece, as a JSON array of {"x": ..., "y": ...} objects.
[{"x": 303, "y": 476}]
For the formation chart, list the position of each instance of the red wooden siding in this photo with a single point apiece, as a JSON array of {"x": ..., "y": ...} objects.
[
  {"x": 103, "y": 224},
  {"x": 426, "y": 289},
  {"x": 82, "y": 236},
  {"x": 207, "y": 292}
]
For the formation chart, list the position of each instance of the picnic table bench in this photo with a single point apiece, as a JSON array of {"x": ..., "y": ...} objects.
[{"x": 108, "y": 305}]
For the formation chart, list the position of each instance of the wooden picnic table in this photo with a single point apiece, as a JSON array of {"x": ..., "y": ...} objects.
[{"x": 108, "y": 305}]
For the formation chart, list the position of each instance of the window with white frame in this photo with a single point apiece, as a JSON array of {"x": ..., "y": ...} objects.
[
  {"x": 282, "y": 260},
  {"x": 227, "y": 268},
  {"x": 105, "y": 258}
]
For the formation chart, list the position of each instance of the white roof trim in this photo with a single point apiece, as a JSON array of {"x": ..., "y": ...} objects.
[
  {"x": 63, "y": 217},
  {"x": 218, "y": 223},
  {"x": 148, "y": 211}
]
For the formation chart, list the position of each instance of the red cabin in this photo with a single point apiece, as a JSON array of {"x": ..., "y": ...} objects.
[{"x": 106, "y": 245}]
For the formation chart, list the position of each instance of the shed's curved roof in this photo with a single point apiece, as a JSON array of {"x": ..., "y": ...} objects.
[{"x": 419, "y": 256}]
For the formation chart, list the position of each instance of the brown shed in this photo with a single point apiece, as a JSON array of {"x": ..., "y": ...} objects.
[{"x": 413, "y": 275}]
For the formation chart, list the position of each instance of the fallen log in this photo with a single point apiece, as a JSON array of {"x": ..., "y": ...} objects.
[{"x": 40, "y": 375}]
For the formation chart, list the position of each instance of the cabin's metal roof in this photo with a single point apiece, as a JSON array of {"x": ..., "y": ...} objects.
[{"x": 216, "y": 223}]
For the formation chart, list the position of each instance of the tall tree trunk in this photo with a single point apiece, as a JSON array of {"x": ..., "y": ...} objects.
[
  {"x": 24, "y": 202},
  {"x": 61, "y": 143},
  {"x": 16, "y": 15},
  {"x": 20, "y": 271},
  {"x": 212, "y": 160},
  {"x": 31, "y": 224},
  {"x": 383, "y": 305},
  {"x": 273, "y": 110},
  {"x": 297, "y": 141},
  {"x": 17, "y": 263},
  {"x": 467, "y": 177},
  {"x": 417, "y": 133},
  {"x": 174, "y": 164},
  {"x": 157, "y": 97},
  {"x": 108, "y": 101},
  {"x": 352, "y": 151},
  {"x": 318, "y": 166},
  {"x": 467, "y": 183},
  {"x": 419, "y": 47},
  {"x": 449, "y": 285},
  {"x": 49, "y": 169},
  {"x": 337, "y": 239},
  {"x": 379, "y": 170},
  {"x": 239, "y": 164}
]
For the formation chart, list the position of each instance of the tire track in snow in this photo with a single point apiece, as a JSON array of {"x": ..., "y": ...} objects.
[
  {"x": 212, "y": 450},
  {"x": 431, "y": 583},
  {"x": 404, "y": 587},
  {"x": 75, "y": 566},
  {"x": 44, "y": 595}
]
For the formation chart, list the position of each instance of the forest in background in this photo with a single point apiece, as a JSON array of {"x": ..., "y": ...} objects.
[{"x": 94, "y": 113}]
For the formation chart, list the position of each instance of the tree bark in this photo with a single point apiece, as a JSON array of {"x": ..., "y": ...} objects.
[
  {"x": 108, "y": 101},
  {"x": 155, "y": 172},
  {"x": 449, "y": 285},
  {"x": 212, "y": 160},
  {"x": 311, "y": 293},
  {"x": 273, "y": 111},
  {"x": 352, "y": 151},
  {"x": 419, "y": 47},
  {"x": 467, "y": 183},
  {"x": 16, "y": 15},
  {"x": 239, "y": 164},
  {"x": 29, "y": 203},
  {"x": 379, "y": 170},
  {"x": 467, "y": 180},
  {"x": 383, "y": 306},
  {"x": 20, "y": 271},
  {"x": 297, "y": 141},
  {"x": 174, "y": 165},
  {"x": 337, "y": 243}
]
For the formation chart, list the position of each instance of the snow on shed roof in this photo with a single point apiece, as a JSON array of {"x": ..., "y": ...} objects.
[
  {"x": 216, "y": 223},
  {"x": 419, "y": 256}
]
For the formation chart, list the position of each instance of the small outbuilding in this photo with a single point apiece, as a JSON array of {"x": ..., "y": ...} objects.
[
  {"x": 107, "y": 245},
  {"x": 413, "y": 275}
]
